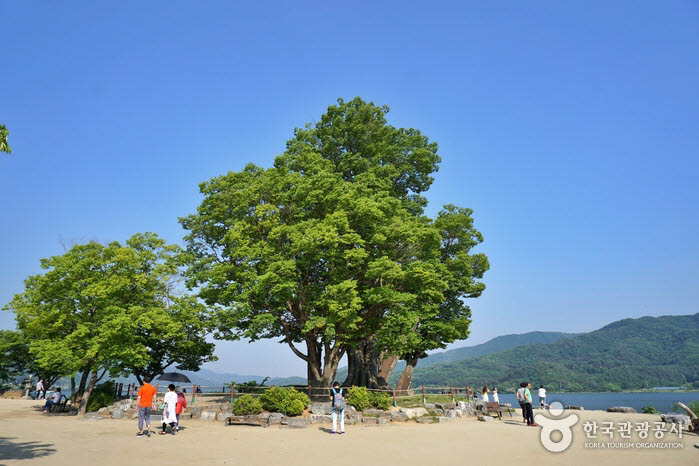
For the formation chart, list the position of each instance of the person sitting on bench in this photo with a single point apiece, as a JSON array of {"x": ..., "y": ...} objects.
[{"x": 54, "y": 400}]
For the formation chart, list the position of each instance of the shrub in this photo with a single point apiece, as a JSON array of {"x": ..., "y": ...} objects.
[
  {"x": 294, "y": 407},
  {"x": 277, "y": 399},
  {"x": 650, "y": 410},
  {"x": 380, "y": 400},
  {"x": 102, "y": 395},
  {"x": 247, "y": 404},
  {"x": 359, "y": 398}
]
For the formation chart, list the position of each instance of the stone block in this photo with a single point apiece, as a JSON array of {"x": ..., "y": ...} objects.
[
  {"x": 274, "y": 419},
  {"x": 321, "y": 418},
  {"x": 117, "y": 413},
  {"x": 295, "y": 422},
  {"x": 674, "y": 418},
  {"x": 223, "y": 415},
  {"x": 374, "y": 412},
  {"x": 353, "y": 418},
  {"x": 430, "y": 406},
  {"x": 450, "y": 413},
  {"x": 485, "y": 418},
  {"x": 426, "y": 420},
  {"x": 207, "y": 415},
  {"x": 196, "y": 411},
  {"x": 442, "y": 419},
  {"x": 445, "y": 406}
]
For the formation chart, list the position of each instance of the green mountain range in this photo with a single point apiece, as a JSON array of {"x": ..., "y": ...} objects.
[{"x": 624, "y": 355}]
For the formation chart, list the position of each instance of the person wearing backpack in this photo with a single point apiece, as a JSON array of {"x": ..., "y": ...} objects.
[{"x": 338, "y": 407}]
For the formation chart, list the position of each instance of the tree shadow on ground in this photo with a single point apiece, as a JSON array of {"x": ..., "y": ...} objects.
[{"x": 10, "y": 450}]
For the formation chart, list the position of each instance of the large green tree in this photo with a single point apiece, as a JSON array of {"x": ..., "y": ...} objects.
[
  {"x": 89, "y": 312},
  {"x": 329, "y": 249}
]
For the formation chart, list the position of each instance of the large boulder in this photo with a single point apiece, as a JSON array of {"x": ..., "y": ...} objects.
[
  {"x": 437, "y": 411},
  {"x": 620, "y": 409},
  {"x": 353, "y": 418},
  {"x": 208, "y": 415},
  {"x": 399, "y": 416},
  {"x": 274, "y": 418},
  {"x": 117, "y": 413},
  {"x": 321, "y": 408},
  {"x": 674, "y": 418},
  {"x": 223, "y": 415},
  {"x": 445, "y": 406},
  {"x": 485, "y": 418},
  {"x": 450, "y": 413},
  {"x": 196, "y": 411},
  {"x": 374, "y": 412},
  {"x": 414, "y": 412}
]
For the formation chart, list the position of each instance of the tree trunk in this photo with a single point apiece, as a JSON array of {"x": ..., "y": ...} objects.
[
  {"x": 82, "y": 408},
  {"x": 406, "y": 378},
  {"x": 363, "y": 366},
  {"x": 83, "y": 382},
  {"x": 388, "y": 363},
  {"x": 322, "y": 368},
  {"x": 72, "y": 389}
]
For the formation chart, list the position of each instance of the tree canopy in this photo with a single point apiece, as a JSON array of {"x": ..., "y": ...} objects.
[
  {"x": 4, "y": 146},
  {"x": 330, "y": 249},
  {"x": 108, "y": 308}
]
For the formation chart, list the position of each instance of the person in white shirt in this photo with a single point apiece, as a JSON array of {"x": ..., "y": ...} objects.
[
  {"x": 54, "y": 400},
  {"x": 40, "y": 390},
  {"x": 496, "y": 398},
  {"x": 542, "y": 396},
  {"x": 170, "y": 411},
  {"x": 484, "y": 394}
]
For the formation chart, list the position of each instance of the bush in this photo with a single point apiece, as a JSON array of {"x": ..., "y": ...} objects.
[
  {"x": 380, "y": 400},
  {"x": 294, "y": 407},
  {"x": 247, "y": 404},
  {"x": 359, "y": 398},
  {"x": 650, "y": 410},
  {"x": 279, "y": 400},
  {"x": 102, "y": 395}
]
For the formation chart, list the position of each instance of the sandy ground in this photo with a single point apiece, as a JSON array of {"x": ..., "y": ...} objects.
[{"x": 28, "y": 437}]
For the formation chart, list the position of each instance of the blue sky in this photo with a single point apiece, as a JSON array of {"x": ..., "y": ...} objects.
[{"x": 571, "y": 129}]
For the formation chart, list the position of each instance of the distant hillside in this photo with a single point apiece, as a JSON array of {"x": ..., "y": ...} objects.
[
  {"x": 500, "y": 343},
  {"x": 627, "y": 354}
]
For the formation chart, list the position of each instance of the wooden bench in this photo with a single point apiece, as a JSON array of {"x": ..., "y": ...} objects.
[
  {"x": 61, "y": 405},
  {"x": 494, "y": 407}
]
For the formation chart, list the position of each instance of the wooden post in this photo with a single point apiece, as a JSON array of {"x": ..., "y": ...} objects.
[
  {"x": 194, "y": 392},
  {"x": 232, "y": 392},
  {"x": 394, "y": 398},
  {"x": 424, "y": 398},
  {"x": 121, "y": 390},
  {"x": 452, "y": 394},
  {"x": 128, "y": 391},
  {"x": 309, "y": 391}
]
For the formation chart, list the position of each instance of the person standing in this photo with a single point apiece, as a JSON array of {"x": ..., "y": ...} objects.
[
  {"x": 338, "y": 407},
  {"x": 40, "y": 390},
  {"x": 520, "y": 399},
  {"x": 181, "y": 406},
  {"x": 146, "y": 398},
  {"x": 484, "y": 395},
  {"x": 529, "y": 412},
  {"x": 496, "y": 398},
  {"x": 170, "y": 411},
  {"x": 542, "y": 397}
]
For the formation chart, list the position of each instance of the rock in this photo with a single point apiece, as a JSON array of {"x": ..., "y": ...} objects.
[
  {"x": 274, "y": 418},
  {"x": 353, "y": 418},
  {"x": 398, "y": 416},
  {"x": 485, "y": 418},
  {"x": 117, "y": 413},
  {"x": 196, "y": 411},
  {"x": 445, "y": 406},
  {"x": 295, "y": 422},
  {"x": 425, "y": 420},
  {"x": 480, "y": 405},
  {"x": 226, "y": 407},
  {"x": 135, "y": 415},
  {"x": 106, "y": 410},
  {"x": 414, "y": 412},
  {"x": 430, "y": 406},
  {"x": 320, "y": 408},
  {"x": 674, "y": 418},
  {"x": 374, "y": 412},
  {"x": 620, "y": 409},
  {"x": 579, "y": 408},
  {"x": 321, "y": 418},
  {"x": 207, "y": 415},
  {"x": 437, "y": 412},
  {"x": 450, "y": 413},
  {"x": 442, "y": 419},
  {"x": 223, "y": 415},
  {"x": 468, "y": 408},
  {"x": 374, "y": 420}
]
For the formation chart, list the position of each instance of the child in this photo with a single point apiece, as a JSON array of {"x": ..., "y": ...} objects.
[
  {"x": 496, "y": 398},
  {"x": 181, "y": 406},
  {"x": 338, "y": 407}
]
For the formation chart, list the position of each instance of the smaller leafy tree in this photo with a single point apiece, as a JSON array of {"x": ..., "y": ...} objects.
[
  {"x": 293, "y": 407},
  {"x": 251, "y": 386},
  {"x": 247, "y": 404},
  {"x": 650, "y": 409},
  {"x": 359, "y": 398},
  {"x": 4, "y": 146}
]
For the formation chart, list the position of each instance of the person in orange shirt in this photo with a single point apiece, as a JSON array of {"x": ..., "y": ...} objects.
[{"x": 146, "y": 399}]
